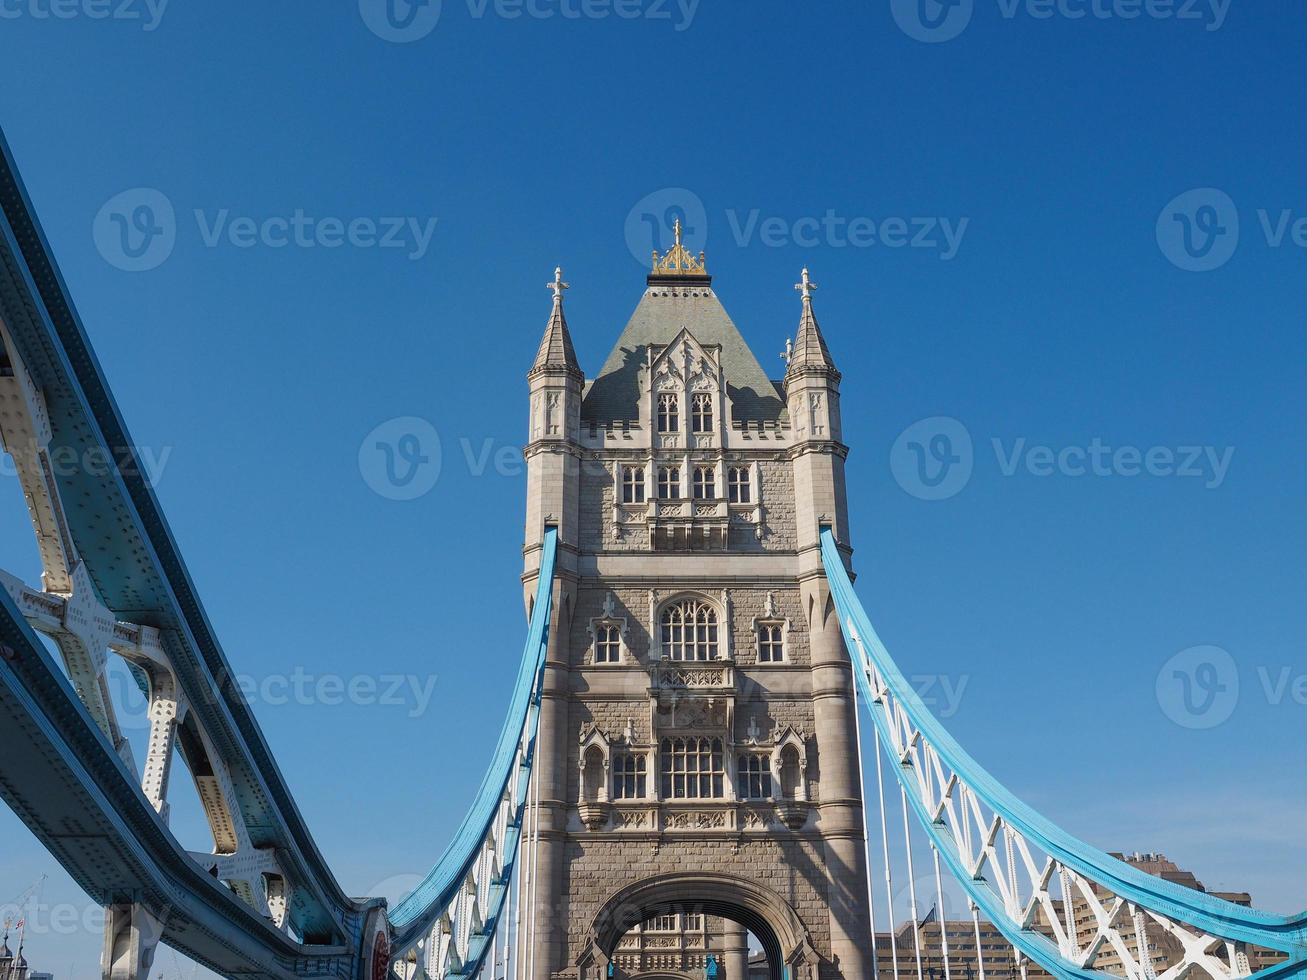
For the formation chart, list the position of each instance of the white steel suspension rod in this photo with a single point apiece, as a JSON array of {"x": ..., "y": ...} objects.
[
  {"x": 884, "y": 844},
  {"x": 980, "y": 959},
  {"x": 940, "y": 917},
  {"x": 866, "y": 842},
  {"x": 535, "y": 857},
  {"x": 912, "y": 881}
]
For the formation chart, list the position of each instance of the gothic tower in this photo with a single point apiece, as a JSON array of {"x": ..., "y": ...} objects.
[{"x": 697, "y": 749}]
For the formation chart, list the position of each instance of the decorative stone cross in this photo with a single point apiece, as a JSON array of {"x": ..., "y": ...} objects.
[
  {"x": 557, "y": 286},
  {"x": 806, "y": 286}
]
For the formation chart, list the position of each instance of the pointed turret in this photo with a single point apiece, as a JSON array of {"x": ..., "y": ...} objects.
[
  {"x": 812, "y": 390},
  {"x": 553, "y": 452},
  {"x": 556, "y": 351},
  {"x": 809, "y": 351}
]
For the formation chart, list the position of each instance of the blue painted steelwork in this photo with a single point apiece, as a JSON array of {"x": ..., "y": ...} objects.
[
  {"x": 415, "y": 914},
  {"x": 1197, "y": 909},
  {"x": 138, "y": 573}
]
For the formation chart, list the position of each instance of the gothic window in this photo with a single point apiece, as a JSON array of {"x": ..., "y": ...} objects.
[
  {"x": 754, "y": 772},
  {"x": 693, "y": 922},
  {"x": 739, "y": 485},
  {"x": 771, "y": 643},
  {"x": 693, "y": 768},
  {"x": 669, "y": 483},
  {"x": 608, "y": 643},
  {"x": 669, "y": 412},
  {"x": 629, "y": 777},
  {"x": 592, "y": 775},
  {"x": 701, "y": 413},
  {"x": 689, "y": 631},
  {"x": 791, "y": 774},
  {"x": 663, "y": 923},
  {"x": 632, "y": 484},
  {"x": 705, "y": 483}
]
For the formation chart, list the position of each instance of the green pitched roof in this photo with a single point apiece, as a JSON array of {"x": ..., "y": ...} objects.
[{"x": 661, "y": 314}]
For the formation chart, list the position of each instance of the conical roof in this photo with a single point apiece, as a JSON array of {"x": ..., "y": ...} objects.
[
  {"x": 556, "y": 350},
  {"x": 663, "y": 311}
]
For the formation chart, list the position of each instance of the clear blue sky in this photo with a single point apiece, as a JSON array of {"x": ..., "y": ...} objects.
[{"x": 1059, "y": 319}]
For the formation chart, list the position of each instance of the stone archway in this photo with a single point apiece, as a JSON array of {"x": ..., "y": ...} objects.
[{"x": 769, "y": 917}]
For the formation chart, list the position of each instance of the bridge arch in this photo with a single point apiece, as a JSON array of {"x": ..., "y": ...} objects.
[{"x": 769, "y": 917}]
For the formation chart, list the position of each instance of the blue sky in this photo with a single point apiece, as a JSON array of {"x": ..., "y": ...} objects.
[{"x": 995, "y": 210}]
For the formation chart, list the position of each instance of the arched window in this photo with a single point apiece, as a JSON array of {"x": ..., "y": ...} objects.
[
  {"x": 791, "y": 774},
  {"x": 701, "y": 413},
  {"x": 669, "y": 412},
  {"x": 705, "y": 483},
  {"x": 669, "y": 483},
  {"x": 771, "y": 643},
  {"x": 689, "y": 631},
  {"x": 693, "y": 768},
  {"x": 632, "y": 484},
  {"x": 740, "y": 485},
  {"x": 592, "y": 775}
]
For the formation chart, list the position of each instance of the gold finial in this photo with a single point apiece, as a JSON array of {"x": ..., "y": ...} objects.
[
  {"x": 557, "y": 286},
  {"x": 678, "y": 261},
  {"x": 806, "y": 286}
]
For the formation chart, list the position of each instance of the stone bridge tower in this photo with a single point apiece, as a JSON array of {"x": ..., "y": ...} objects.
[{"x": 697, "y": 751}]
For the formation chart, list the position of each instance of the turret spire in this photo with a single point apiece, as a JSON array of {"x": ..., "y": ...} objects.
[
  {"x": 556, "y": 349},
  {"x": 809, "y": 350}
]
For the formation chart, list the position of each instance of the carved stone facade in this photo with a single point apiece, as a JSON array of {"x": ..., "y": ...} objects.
[{"x": 698, "y": 754}]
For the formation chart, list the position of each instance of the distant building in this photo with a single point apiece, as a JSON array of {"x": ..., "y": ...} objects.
[
  {"x": 12, "y": 965},
  {"x": 996, "y": 955}
]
